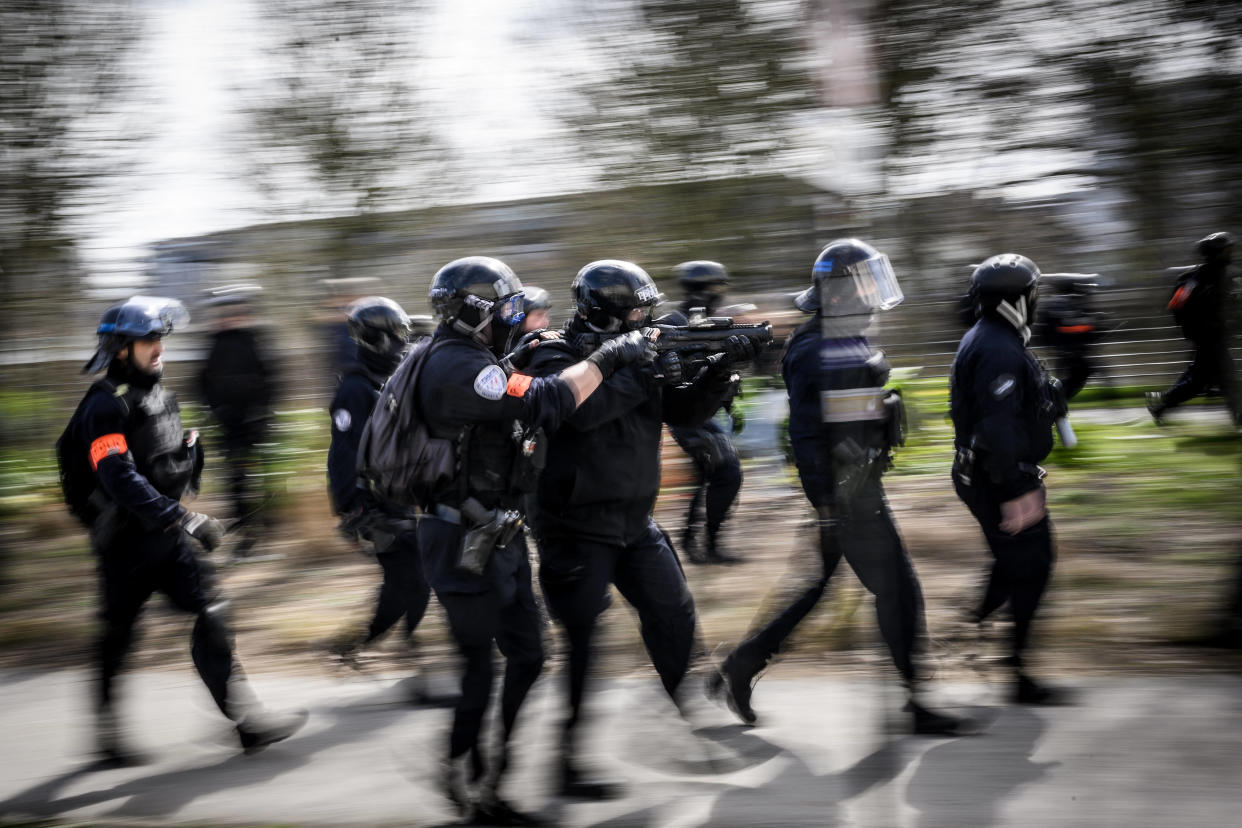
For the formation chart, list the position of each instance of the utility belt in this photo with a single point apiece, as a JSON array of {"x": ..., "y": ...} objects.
[
  {"x": 485, "y": 530},
  {"x": 966, "y": 467}
]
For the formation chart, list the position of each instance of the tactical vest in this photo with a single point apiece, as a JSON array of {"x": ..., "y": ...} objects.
[{"x": 153, "y": 431}]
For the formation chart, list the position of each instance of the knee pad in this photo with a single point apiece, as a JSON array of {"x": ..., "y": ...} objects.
[{"x": 212, "y": 625}]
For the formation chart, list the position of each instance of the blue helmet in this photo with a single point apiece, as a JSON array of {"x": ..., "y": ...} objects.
[{"x": 139, "y": 317}]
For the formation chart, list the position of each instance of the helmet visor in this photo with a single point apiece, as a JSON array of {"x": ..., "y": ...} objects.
[
  {"x": 863, "y": 287},
  {"x": 510, "y": 310},
  {"x": 150, "y": 316}
]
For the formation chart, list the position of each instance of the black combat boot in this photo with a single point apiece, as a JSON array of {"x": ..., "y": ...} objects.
[
  {"x": 734, "y": 681},
  {"x": 579, "y": 783},
  {"x": 112, "y": 748},
  {"x": 262, "y": 728}
]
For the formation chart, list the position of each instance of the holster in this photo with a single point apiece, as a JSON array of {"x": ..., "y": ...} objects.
[
  {"x": 965, "y": 463},
  {"x": 489, "y": 529}
]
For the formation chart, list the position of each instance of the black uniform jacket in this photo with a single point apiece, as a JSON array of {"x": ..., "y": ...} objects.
[
  {"x": 1000, "y": 406},
  {"x": 134, "y": 440},
  {"x": 603, "y": 465}
]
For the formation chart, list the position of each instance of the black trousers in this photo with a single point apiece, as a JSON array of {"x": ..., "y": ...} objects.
[
  {"x": 404, "y": 592},
  {"x": 720, "y": 476},
  {"x": 1021, "y": 565},
  {"x": 576, "y": 574},
  {"x": 1212, "y": 366},
  {"x": 498, "y": 607},
  {"x": 244, "y": 462},
  {"x": 1073, "y": 368},
  {"x": 867, "y": 538},
  {"x": 138, "y": 563}
]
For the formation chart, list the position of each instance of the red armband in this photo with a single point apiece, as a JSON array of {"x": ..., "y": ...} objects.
[{"x": 106, "y": 446}]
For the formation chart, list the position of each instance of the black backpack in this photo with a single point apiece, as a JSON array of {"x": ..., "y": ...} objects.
[
  {"x": 77, "y": 480},
  {"x": 398, "y": 460}
]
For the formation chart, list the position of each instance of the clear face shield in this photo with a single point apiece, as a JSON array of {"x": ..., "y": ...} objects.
[{"x": 847, "y": 301}]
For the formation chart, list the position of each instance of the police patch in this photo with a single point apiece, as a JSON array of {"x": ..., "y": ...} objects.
[
  {"x": 1002, "y": 386},
  {"x": 490, "y": 383},
  {"x": 341, "y": 419}
]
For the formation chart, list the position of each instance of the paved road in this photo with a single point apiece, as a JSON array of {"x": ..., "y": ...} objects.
[{"x": 1133, "y": 752}]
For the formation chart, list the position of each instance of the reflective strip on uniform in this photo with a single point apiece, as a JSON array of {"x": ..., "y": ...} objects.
[
  {"x": 106, "y": 446},
  {"x": 518, "y": 383},
  {"x": 851, "y": 405}
]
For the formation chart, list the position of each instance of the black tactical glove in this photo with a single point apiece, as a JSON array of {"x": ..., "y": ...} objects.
[
  {"x": 738, "y": 348},
  {"x": 519, "y": 357},
  {"x": 627, "y": 348},
  {"x": 669, "y": 368},
  {"x": 203, "y": 528}
]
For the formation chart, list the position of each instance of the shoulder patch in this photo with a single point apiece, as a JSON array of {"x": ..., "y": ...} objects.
[
  {"x": 1003, "y": 386},
  {"x": 490, "y": 383},
  {"x": 341, "y": 419}
]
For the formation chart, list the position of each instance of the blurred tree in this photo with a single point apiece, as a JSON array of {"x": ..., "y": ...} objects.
[
  {"x": 62, "y": 70},
  {"x": 337, "y": 128},
  {"x": 1134, "y": 96},
  {"x": 691, "y": 90},
  {"x": 680, "y": 92}
]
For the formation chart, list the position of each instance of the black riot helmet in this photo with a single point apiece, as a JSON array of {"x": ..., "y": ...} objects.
[
  {"x": 1006, "y": 285},
  {"x": 139, "y": 317},
  {"x": 1216, "y": 247},
  {"x": 536, "y": 298},
  {"x": 704, "y": 282},
  {"x": 850, "y": 278},
  {"x": 469, "y": 293},
  {"x": 613, "y": 295},
  {"x": 378, "y": 325}
]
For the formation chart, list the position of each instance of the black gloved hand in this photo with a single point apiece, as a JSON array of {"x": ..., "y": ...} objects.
[
  {"x": 738, "y": 348},
  {"x": 669, "y": 368},
  {"x": 203, "y": 528},
  {"x": 630, "y": 347}
]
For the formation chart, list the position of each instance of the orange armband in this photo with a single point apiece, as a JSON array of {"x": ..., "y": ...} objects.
[
  {"x": 518, "y": 383},
  {"x": 106, "y": 446}
]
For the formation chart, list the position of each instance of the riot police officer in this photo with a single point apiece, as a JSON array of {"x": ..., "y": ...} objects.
[
  {"x": 1200, "y": 305},
  {"x": 1003, "y": 406},
  {"x": 593, "y": 514},
  {"x": 707, "y": 444},
  {"x": 538, "y": 305},
  {"x": 496, "y": 416},
  {"x": 128, "y": 426},
  {"x": 1071, "y": 327},
  {"x": 381, "y": 330},
  {"x": 843, "y": 427}
]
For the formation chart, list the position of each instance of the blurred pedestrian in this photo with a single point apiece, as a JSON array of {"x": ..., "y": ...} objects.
[
  {"x": 1003, "y": 405},
  {"x": 708, "y": 444},
  {"x": 127, "y": 439},
  {"x": 239, "y": 382},
  {"x": 843, "y": 427},
  {"x": 381, "y": 329},
  {"x": 474, "y": 553},
  {"x": 1200, "y": 305}
]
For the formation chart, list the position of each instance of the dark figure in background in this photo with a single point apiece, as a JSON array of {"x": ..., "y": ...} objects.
[
  {"x": 593, "y": 514},
  {"x": 381, "y": 330},
  {"x": 496, "y": 417},
  {"x": 538, "y": 305},
  {"x": 129, "y": 426},
  {"x": 1200, "y": 305},
  {"x": 1003, "y": 406},
  {"x": 707, "y": 444},
  {"x": 238, "y": 383},
  {"x": 843, "y": 426},
  {"x": 1071, "y": 326}
]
